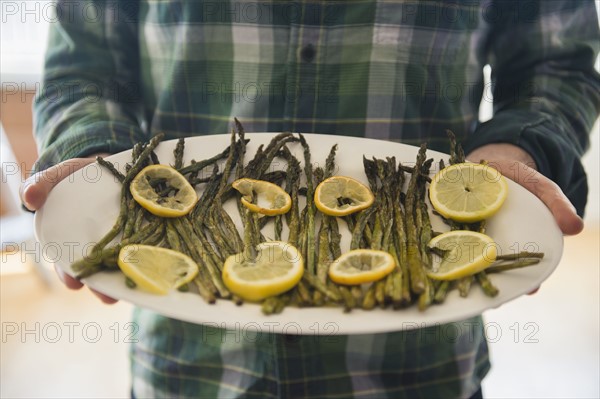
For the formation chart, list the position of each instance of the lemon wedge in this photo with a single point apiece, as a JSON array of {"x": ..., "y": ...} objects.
[
  {"x": 465, "y": 253},
  {"x": 163, "y": 191},
  {"x": 361, "y": 266},
  {"x": 154, "y": 269},
  {"x": 468, "y": 192},
  {"x": 341, "y": 195},
  {"x": 277, "y": 268},
  {"x": 263, "y": 197}
]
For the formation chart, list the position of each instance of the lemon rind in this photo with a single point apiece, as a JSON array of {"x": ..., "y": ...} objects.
[
  {"x": 258, "y": 209},
  {"x": 155, "y": 208},
  {"x": 142, "y": 280},
  {"x": 367, "y": 276},
  {"x": 255, "y": 292},
  {"x": 480, "y": 263},
  {"x": 347, "y": 211},
  {"x": 462, "y": 216}
]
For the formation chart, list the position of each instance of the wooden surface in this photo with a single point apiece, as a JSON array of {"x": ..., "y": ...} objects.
[{"x": 16, "y": 117}]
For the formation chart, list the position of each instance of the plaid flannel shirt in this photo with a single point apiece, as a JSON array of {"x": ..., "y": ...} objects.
[{"x": 119, "y": 71}]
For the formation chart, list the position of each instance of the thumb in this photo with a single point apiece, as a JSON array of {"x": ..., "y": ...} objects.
[
  {"x": 36, "y": 188},
  {"x": 546, "y": 190}
]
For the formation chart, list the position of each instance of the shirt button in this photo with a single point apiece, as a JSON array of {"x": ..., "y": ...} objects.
[{"x": 308, "y": 52}]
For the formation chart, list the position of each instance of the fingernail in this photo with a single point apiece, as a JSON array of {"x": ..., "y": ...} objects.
[
  {"x": 581, "y": 224},
  {"x": 24, "y": 196}
]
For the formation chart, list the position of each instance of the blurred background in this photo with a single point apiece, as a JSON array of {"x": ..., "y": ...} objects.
[{"x": 61, "y": 343}]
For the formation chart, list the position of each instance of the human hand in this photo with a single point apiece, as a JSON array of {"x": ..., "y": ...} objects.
[
  {"x": 516, "y": 164},
  {"x": 34, "y": 192}
]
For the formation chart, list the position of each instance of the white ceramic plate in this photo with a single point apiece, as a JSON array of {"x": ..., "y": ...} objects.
[{"x": 83, "y": 207}]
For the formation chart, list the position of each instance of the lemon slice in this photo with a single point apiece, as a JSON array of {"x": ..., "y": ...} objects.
[
  {"x": 163, "y": 191},
  {"x": 466, "y": 253},
  {"x": 341, "y": 195},
  {"x": 468, "y": 192},
  {"x": 361, "y": 266},
  {"x": 154, "y": 269},
  {"x": 263, "y": 197},
  {"x": 278, "y": 267}
]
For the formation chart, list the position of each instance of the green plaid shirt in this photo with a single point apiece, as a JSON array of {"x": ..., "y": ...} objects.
[{"x": 118, "y": 72}]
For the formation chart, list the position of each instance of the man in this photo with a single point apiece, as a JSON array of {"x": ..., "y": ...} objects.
[{"x": 405, "y": 71}]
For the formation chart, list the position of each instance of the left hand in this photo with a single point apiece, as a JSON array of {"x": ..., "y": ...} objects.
[
  {"x": 35, "y": 191},
  {"x": 516, "y": 164}
]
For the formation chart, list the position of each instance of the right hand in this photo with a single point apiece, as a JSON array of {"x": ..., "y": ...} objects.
[
  {"x": 516, "y": 164},
  {"x": 34, "y": 192}
]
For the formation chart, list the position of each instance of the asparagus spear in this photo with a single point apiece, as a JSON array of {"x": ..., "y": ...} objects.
[
  {"x": 135, "y": 153},
  {"x": 386, "y": 174},
  {"x": 418, "y": 278},
  {"x": 309, "y": 251},
  {"x": 347, "y": 298},
  {"x": 512, "y": 266},
  {"x": 441, "y": 292},
  {"x": 521, "y": 255},
  {"x": 274, "y": 304},
  {"x": 154, "y": 158},
  {"x": 486, "y": 285},
  {"x": 314, "y": 282},
  {"x": 425, "y": 232},
  {"x": 304, "y": 293},
  {"x": 363, "y": 218},
  {"x": 217, "y": 211},
  {"x": 399, "y": 237},
  {"x": 257, "y": 167},
  {"x": 292, "y": 186},
  {"x": 425, "y": 223},
  {"x": 196, "y": 167},
  {"x": 96, "y": 261},
  {"x": 132, "y": 214},
  {"x": 111, "y": 168},
  {"x": 207, "y": 274},
  {"x": 178, "y": 153},
  {"x": 464, "y": 285},
  {"x": 396, "y": 289},
  {"x": 369, "y": 301},
  {"x": 324, "y": 258}
]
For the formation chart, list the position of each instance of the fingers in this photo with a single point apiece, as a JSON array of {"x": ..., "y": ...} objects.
[
  {"x": 75, "y": 284},
  {"x": 546, "y": 190},
  {"x": 36, "y": 188},
  {"x": 67, "y": 280},
  {"x": 34, "y": 192},
  {"x": 105, "y": 299}
]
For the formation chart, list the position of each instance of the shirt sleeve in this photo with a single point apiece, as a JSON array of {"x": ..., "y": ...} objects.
[
  {"x": 89, "y": 99},
  {"x": 546, "y": 89}
]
